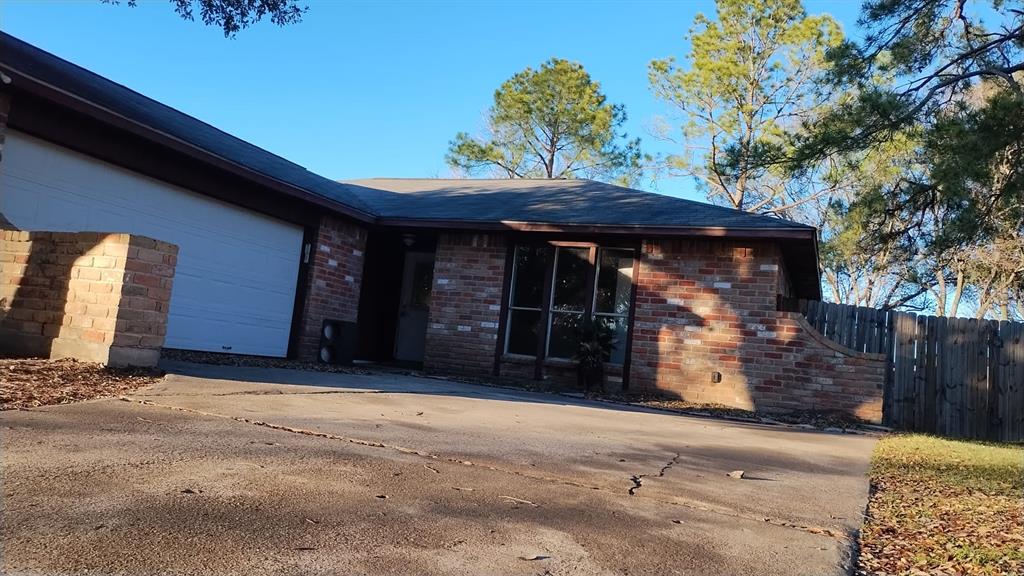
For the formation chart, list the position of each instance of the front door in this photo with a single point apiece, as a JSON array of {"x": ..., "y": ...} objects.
[{"x": 414, "y": 310}]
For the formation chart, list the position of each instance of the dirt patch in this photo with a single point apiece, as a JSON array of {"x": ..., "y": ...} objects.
[{"x": 27, "y": 383}]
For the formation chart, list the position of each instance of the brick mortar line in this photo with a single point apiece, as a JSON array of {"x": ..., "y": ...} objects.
[{"x": 684, "y": 503}]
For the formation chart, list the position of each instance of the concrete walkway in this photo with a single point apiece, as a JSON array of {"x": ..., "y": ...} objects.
[{"x": 221, "y": 470}]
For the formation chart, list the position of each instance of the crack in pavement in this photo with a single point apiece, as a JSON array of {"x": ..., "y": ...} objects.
[
  {"x": 637, "y": 479},
  {"x": 367, "y": 443}
]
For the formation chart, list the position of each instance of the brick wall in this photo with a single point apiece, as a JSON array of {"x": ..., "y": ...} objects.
[
  {"x": 706, "y": 306},
  {"x": 465, "y": 304},
  {"x": 93, "y": 296},
  {"x": 333, "y": 280}
]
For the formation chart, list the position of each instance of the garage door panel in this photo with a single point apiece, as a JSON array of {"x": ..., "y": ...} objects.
[
  {"x": 277, "y": 308},
  {"x": 257, "y": 338},
  {"x": 234, "y": 286}
]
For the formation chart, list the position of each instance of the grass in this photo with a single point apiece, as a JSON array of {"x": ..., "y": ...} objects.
[{"x": 944, "y": 507}]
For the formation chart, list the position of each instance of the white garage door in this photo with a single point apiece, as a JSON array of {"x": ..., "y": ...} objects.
[{"x": 234, "y": 286}]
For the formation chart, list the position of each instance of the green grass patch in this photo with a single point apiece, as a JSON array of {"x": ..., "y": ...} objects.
[{"x": 944, "y": 507}]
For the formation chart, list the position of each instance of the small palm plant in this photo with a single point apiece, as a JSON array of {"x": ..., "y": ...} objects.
[{"x": 596, "y": 340}]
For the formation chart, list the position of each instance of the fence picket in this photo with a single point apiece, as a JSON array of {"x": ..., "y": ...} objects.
[
  {"x": 976, "y": 380},
  {"x": 922, "y": 396},
  {"x": 905, "y": 368},
  {"x": 811, "y": 312},
  {"x": 1015, "y": 388},
  {"x": 936, "y": 374},
  {"x": 871, "y": 341},
  {"x": 993, "y": 420},
  {"x": 888, "y": 406},
  {"x": 960, "y": 378},
  {"x": 864, "y": 322}
]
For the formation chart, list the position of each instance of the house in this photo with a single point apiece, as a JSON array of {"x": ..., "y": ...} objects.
[{"x": 226, "y": 247}]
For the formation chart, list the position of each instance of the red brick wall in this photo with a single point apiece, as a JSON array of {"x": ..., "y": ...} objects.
[
  {"x": 333, "y": 280},
  {"x": 710, "y": 305},
  {"x": 93, "y": 296},
  {"x": 465, "y": 306}
]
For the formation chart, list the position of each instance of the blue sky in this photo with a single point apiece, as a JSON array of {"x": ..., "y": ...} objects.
[{"x": 370, "y": 89}]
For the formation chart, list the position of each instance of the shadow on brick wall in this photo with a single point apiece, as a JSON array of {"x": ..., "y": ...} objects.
[
  {"x": 708, "y": 331},
  {"x": 85, "y": 295},
  {"x": 34, "y": 300}
]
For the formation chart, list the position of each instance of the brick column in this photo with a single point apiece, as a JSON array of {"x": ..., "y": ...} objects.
[
  {"x": 93, "y": 296},
  {"x": 333, "y": 280},
  {"x": 465, "y": 305}
]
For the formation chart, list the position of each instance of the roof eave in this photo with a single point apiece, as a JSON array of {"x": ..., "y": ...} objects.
[
  {"x": 632, "y": 229},
  {"x": 26, "y": 83}
]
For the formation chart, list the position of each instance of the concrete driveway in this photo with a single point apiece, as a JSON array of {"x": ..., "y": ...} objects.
[{"x": 225, "y": 470}]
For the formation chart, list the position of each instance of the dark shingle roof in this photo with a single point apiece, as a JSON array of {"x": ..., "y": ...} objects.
[
  {"x": 563, "y": 202},
  {"x": 547, "y": 201},
  {"x": 67, "y": 77}
]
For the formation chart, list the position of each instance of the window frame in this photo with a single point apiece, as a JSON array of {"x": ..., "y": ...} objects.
[
  {"x": 632, "y": 287},
  {"x": 547, "y": 311},
  {"x": 588, "y": 303},
  {"x": 509, "y": 302}
]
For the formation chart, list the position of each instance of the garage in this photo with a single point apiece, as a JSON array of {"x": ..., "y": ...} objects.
[{"x": 234, "y": 287}]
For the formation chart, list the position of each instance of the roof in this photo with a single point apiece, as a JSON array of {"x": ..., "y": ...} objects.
[
  {"x": 582, "y": 202},
  {"x": 565, "y": 203},
  {"x": 25, "y": 60}
]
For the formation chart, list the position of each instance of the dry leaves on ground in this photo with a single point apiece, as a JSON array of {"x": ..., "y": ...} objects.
[
  {"x": 815, "y": 418},
  {"x": 944, "y": 507},
  {"x": 219, "y": 359},
  {"x": 27, "y": 383}
]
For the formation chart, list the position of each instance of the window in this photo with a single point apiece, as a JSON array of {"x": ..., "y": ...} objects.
[
  {"x": 612, "y": 294},
  {"x": 585, "y": 282},
  {"x": 568, "y": 300},
  {"x": 526, "y": 300}
]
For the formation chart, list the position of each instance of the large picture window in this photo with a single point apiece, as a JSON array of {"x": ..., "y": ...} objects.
[{"x": 554, "y": 289}]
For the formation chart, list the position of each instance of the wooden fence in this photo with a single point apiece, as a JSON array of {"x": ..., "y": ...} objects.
[{"x": 957, "y": 377}]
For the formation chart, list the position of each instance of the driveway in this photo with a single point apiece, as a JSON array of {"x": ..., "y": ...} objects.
[{"x": 226, "y": 470}]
